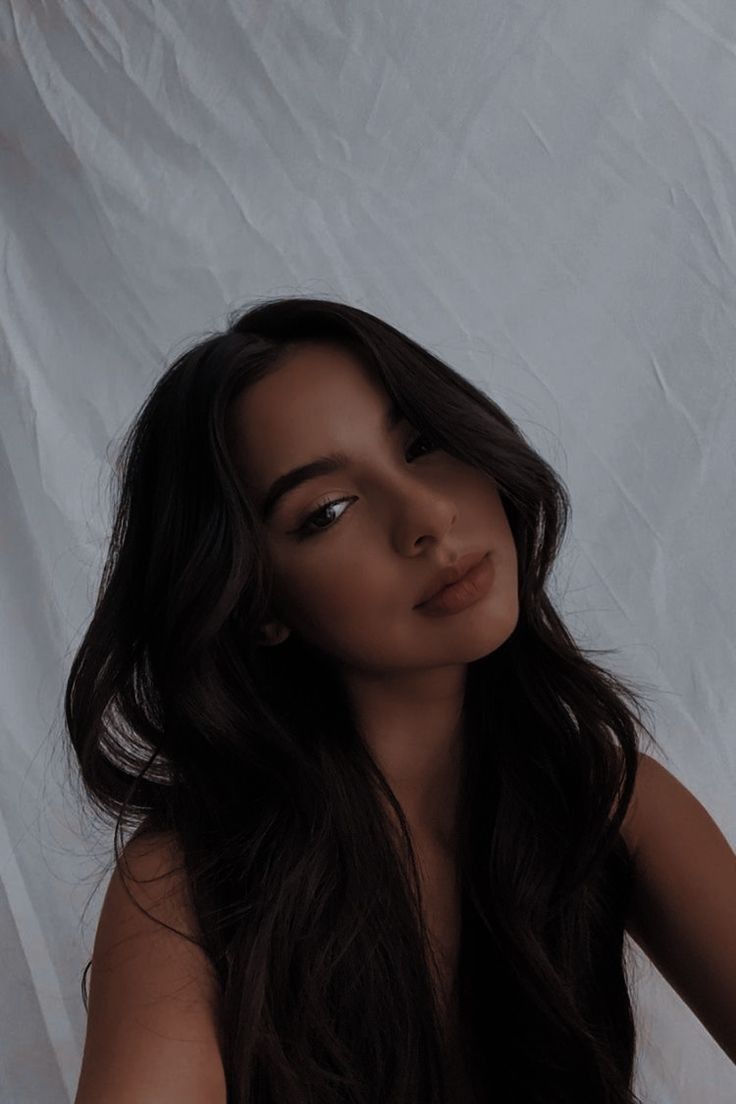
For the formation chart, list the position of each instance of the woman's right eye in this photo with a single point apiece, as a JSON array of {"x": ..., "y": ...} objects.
[{"x": 306, "y": 530}]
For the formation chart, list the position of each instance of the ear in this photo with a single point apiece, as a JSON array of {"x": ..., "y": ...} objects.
[{"x": 272, "y": 632}]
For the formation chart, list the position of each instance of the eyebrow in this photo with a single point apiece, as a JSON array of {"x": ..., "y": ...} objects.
[{"x": 322, "y": 465}]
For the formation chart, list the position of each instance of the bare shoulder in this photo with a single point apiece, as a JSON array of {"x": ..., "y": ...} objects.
[
  {"x": 646, "y": 774},
  {"x": 630, "y": 825},
  {"x": 151, "y": 1026},
  {"x": 661, "y": 804},
  {"x": 683, "y": 913},
  {"x": 653, "y": 782}
]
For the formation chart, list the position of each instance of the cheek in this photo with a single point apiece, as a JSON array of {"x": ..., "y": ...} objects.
[
  {"x": 351, "y": 609},
  {"x": 335, "y": 593}
]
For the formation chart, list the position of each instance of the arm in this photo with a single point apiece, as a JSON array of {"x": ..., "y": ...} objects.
[
  {"x": 151, "y": 1036},
  {"x": 684, "y": 903}
]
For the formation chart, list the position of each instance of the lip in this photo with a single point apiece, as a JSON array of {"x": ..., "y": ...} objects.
[
  {"x": 451, "y": 574},
  {"x": 465, "y": 592}
]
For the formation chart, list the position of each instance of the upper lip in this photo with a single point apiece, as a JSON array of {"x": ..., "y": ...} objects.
[{"x": 452, "y": 573}]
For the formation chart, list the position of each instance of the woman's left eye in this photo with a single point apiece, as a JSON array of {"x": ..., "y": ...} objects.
[
  {"x": 423, "y": 437},
  {"x": 309, "y": 528}
]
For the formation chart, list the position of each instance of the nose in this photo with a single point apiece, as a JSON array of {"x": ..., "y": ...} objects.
[{"x": 426, "y": 515}]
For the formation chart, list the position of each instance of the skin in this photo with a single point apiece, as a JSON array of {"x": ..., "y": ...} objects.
[{"x": 350, "y": 588}]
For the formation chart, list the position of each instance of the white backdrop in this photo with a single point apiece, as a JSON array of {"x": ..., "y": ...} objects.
[{"x": 541, "y": 191}]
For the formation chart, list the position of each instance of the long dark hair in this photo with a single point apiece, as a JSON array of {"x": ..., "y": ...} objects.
[{"x": 251, "y": 758}]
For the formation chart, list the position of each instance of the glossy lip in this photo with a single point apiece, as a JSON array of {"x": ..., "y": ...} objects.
[
  {"x": 450, "y": 574},
  {"x": 473, "y": 586}
]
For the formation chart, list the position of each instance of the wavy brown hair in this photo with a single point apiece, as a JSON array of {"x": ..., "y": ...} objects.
[{"x": 252, "y": 759}]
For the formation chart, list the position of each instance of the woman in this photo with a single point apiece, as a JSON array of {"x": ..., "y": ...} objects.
[{"x": 384, "y": 843}]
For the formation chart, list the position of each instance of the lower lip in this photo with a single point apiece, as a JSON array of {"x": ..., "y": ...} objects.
[{"x": 468, "y": 590}]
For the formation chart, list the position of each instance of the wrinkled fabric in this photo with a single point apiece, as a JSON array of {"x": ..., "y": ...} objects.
[{"x": 542, "y": 193}]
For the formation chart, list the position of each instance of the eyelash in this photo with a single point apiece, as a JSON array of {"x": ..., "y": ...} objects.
[{"x": 305, "y": 530}]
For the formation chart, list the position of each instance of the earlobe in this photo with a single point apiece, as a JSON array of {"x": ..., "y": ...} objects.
[{"x": 272, "y": 632}]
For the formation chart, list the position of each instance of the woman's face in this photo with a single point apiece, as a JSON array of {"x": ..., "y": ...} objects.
[{"x": 350, "y": 581}]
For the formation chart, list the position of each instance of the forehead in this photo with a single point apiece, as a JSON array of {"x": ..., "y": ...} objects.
[{"x": 320, "y": 397}]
